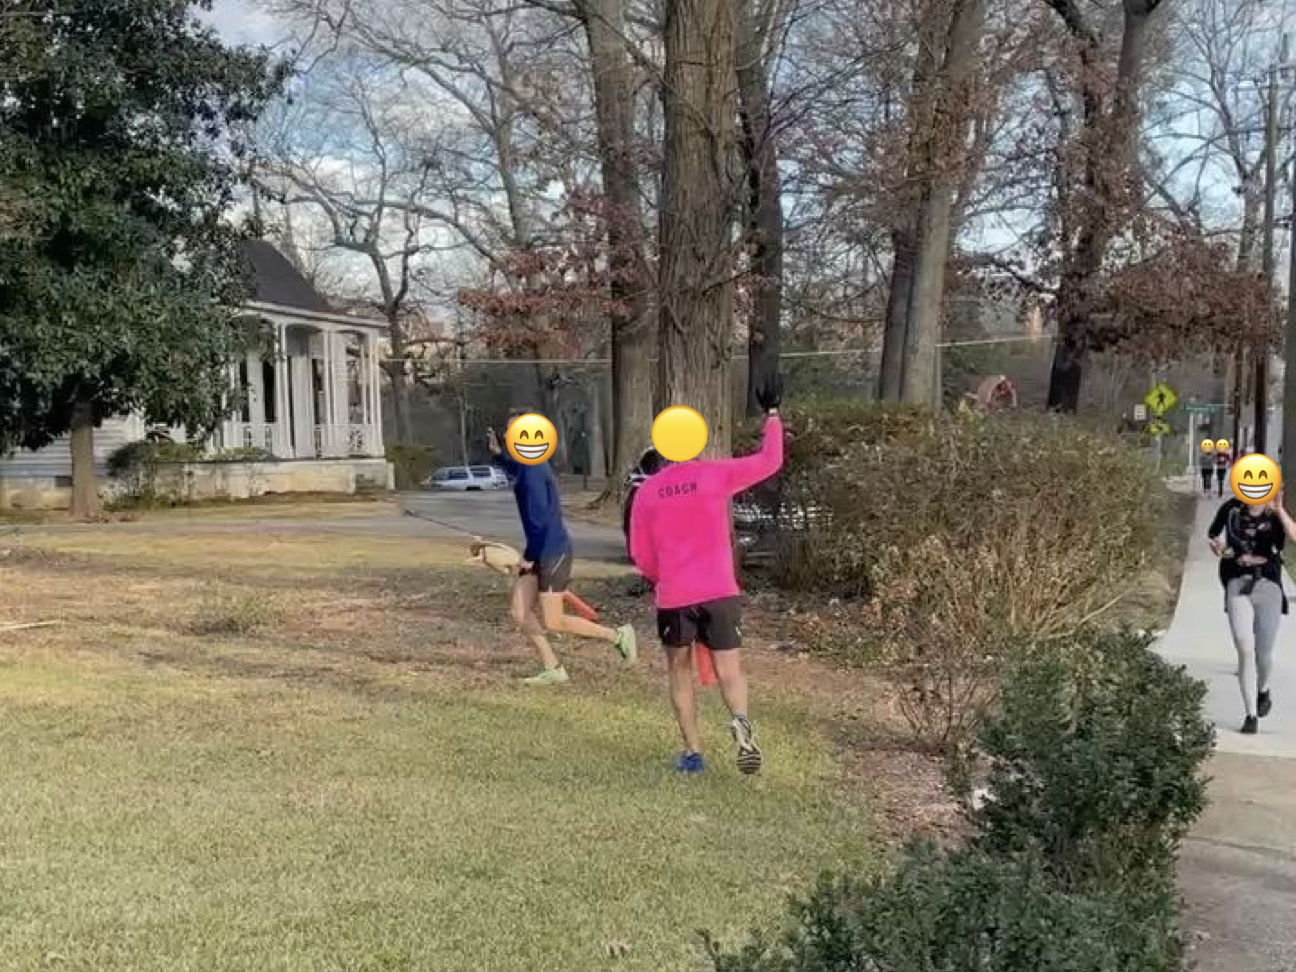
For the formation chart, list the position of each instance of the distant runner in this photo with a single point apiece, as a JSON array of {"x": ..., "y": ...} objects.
[
  {"x": 1250, "y": 568},
  {"x": 1223, "y": 462},
  {"x": 681, "y": 540},
  {"x": 545, "y": 570}
]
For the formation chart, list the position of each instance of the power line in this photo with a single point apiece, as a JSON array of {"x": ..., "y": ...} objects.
[{"x": 834, "y": 353}]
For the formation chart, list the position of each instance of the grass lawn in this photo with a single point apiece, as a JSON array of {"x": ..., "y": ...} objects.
[{"x": 255, "y": 751}]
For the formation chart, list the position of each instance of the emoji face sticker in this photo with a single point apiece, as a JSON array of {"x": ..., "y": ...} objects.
[
  {"x": 530, "y": 439},
  {"x": 679, "y": 433},
  {"x": 1255, "y": 479},
  {"x": 1222, "y": 446},
  {"x": 1208, "y": 445}
]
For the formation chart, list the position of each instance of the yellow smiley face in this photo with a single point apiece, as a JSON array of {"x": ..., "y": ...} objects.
[
  {"x": 1222, "y": 445},
  {"x": 679, "y": 433},
  {"x": 1207, "y": 445},
  {"x": 531, "y": 439},
  {"x": 1255, "y": 479}
]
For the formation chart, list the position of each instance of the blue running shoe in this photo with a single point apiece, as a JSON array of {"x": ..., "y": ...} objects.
[{"x": 690, "y": 763}]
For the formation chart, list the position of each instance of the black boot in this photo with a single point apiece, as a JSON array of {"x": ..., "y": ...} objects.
[
  {"x": 1263, "y": 704},
  {"x": 1250, "y": 726}
]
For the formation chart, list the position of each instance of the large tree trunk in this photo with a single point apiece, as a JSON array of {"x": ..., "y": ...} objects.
[
  {"x": 85, "y": 481},
  {"x": 1110, "y": 127},
  {"x": 595, "y": 461},
  {"x": 904, "y": 246},
  {"x": 695, "y": 262},
  {"x": 933, "y": 26},
  {"x": 633, "y": 340},
  {"x": 550, "y": 406},
  {"x": 765, "y": 202},
  {"x": 400, "y": 385},
  {"x": 1250, "y": 236},
  {"x": 944, "y": 150}
]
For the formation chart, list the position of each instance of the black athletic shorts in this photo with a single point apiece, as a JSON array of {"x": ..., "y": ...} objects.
[
  {"x": 554, "y": 574},
  {"x": 713, "y": 623}
]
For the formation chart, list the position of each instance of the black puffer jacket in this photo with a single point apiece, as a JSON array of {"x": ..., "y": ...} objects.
[{"x": 649, "y": 463}]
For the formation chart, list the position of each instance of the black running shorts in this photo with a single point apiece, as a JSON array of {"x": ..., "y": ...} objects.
[
  {"x": 713, "y": 623},
  {"x": 553, "y": 575}
]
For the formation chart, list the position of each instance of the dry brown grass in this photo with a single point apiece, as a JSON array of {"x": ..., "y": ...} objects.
[{"x": 324, "y": 733}]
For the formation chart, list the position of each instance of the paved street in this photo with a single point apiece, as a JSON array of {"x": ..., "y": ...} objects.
[
  {"x": 1239, "y": 866},
  {"x": 494, "y": 515}
]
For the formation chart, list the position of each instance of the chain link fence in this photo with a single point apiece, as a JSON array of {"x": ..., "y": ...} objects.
[{"x": 451, "y": 418}]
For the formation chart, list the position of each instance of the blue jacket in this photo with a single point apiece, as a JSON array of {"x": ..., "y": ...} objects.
[{"x": 536, "y": 490}]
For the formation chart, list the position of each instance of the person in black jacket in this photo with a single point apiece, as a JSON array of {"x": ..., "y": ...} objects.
[{"x": 1249, "y": 541}]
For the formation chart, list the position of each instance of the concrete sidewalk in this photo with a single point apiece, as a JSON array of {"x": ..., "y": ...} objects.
[{"x": 1238, "y": 871}]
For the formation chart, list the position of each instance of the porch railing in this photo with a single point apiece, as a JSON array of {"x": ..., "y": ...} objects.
[
  {"x": 345, "y": 440},
  {"x": 259, "y": 436}
]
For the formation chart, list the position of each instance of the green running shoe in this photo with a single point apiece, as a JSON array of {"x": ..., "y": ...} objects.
[
  {"x": 626, "y": 645},
  {"x": 550, "y": 676}
]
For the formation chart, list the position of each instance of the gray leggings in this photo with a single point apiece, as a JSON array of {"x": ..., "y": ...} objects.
[{"x": 1254, "y": 619}]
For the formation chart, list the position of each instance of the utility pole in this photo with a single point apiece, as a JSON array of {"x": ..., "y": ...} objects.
[
  {"x": 1289, "y": 335},
  {"x": 1289, "y": 348},
  {"x": 1270, "y": 217}
]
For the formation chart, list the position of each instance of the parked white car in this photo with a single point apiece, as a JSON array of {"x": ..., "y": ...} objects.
[{"x": 466, "y": 478}]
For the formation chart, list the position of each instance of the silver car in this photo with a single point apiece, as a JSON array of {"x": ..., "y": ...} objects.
[{"x": 466, "y": 478}]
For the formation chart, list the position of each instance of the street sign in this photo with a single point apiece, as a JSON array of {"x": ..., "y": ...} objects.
[
  {"x": 1140, "y": 413},
  {"x": 1160, "y": 399},
  {"x": 1158, "y": 428}
]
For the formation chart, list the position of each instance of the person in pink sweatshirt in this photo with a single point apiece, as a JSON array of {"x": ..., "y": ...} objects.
[{"x": 681, "y": 539}]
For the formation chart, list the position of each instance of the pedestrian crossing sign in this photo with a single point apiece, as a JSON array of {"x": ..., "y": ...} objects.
[
  {"x": 1158, "y": 428},
  {"x": 1160, "y": 399}
]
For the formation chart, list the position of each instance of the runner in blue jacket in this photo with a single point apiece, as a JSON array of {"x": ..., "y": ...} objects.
[{"x": 545, "y": 571}]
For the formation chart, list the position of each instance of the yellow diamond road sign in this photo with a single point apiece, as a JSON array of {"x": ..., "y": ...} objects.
[
  {"x": 1158, "y": 428},
  {"x": 1160, "y": 399}
]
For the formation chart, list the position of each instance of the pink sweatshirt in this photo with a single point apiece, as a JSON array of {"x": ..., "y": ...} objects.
[{"x": 680, "y": 531}]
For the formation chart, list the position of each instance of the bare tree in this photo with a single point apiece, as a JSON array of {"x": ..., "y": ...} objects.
[
  {"x": 612, "y": 56},
  {"x": 759, "y": 30},
  {"x": 938, "y": 154},
  {"x": 1209, "y": 123},
  {"x": 499, "y": 75},
  {"x": 351, "y": 150},
  {"x": 695, "y": 255},
  {"x": 1103, "y": 193}
]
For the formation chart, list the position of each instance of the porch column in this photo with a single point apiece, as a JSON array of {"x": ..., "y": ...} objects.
[
  {"x": 256, "y": 399},
  {"x": 366, "y": 390},
  {"x": 341, "y": 395},
  {"x": 230, "y": 437},
  {"x": 303, "y": 398},
  {"x": 375, "y": 396},
  {"x": 283, "y": 426},
  {"x": 362, "y": 379}
]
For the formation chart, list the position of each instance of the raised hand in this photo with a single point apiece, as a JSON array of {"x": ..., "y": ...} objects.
[{"x": 770, "y": 395}]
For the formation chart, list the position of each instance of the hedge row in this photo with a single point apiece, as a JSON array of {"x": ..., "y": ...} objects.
[{"x": 1096, "y": 751}]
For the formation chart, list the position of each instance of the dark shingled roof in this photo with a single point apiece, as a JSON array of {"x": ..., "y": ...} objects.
[{"x": 276, "y": 281}]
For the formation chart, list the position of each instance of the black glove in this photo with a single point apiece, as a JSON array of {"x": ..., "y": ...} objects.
[{"x": 770, "y": 394}]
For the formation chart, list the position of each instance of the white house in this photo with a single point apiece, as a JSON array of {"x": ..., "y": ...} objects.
[{"x": 314, "y": 403}]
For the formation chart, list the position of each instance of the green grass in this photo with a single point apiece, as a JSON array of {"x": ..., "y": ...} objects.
[{"x": 270, "y": 800}]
